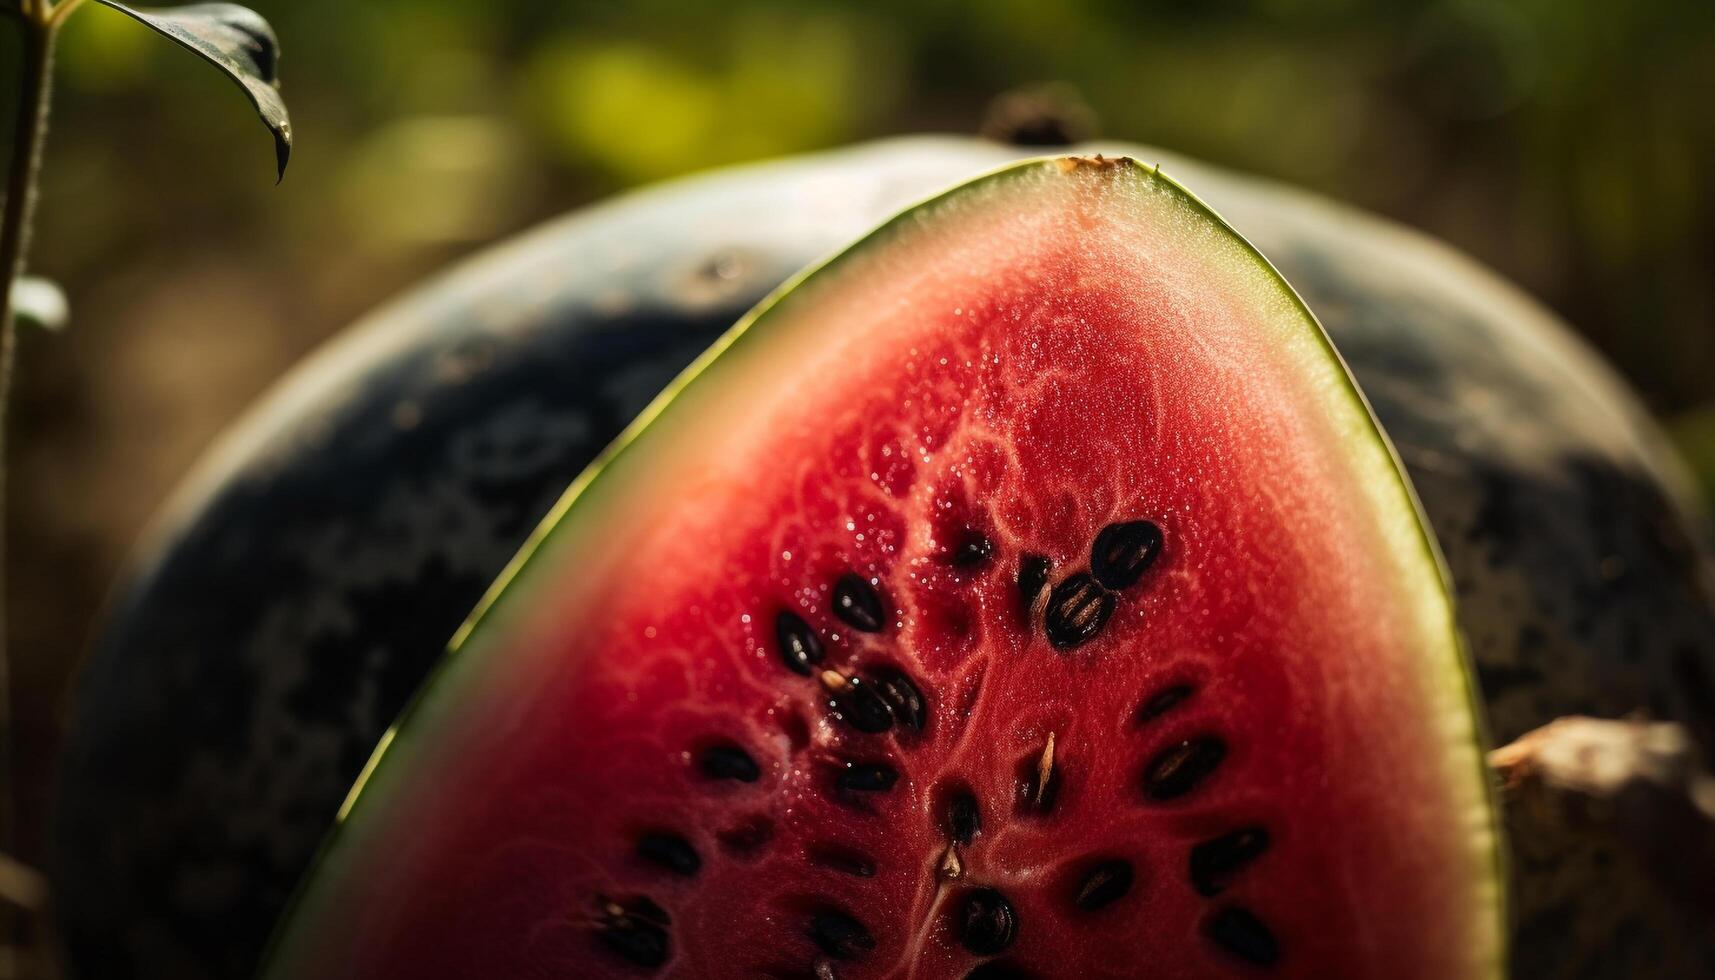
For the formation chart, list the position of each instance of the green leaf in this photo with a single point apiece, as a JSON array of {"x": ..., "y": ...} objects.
[
  {"x": 238, "y": 42},
  {"x": 39, "y": 303}
]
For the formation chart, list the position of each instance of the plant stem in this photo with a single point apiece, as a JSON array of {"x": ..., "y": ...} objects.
[
  {"x": 29, "y": 133},
  {"x": 57, "y": 13}
]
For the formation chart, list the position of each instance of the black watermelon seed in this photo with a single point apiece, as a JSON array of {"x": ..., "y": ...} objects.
[
  {"x": 972, "y": 550},
  {"x": 728, "y": 762},
  {"x": 1123, "y": 552},
  {"x": 1032, "y": 577},
  {"x": 670, "y": 851},
  {"x": 845, "y": 860},
  {"x": 856, "y": 603},
  {"x": 987, "y": 923},
  {"x": 641, "y": 943},
  {"x": 1216, "y": 862},
  {"x": 1242, "y": 934},
  {"x": 867, "y": 777},
  {"x": 638, "y": 934},
  {"x": 964, "y": 817},
  {"x": 643, "y": 907},
  {"x": 1164, "y": 701},
  {"x": 1178, "y": 769},
  {"x": 1104, "y": 884},
  {"x": 1078, "y": 608},
  {"x": 903, "y": 697},
  {"x": 861, "y": 705},
  {"x": 799, "y": 646},
  {"x": 840, "y": 936}
]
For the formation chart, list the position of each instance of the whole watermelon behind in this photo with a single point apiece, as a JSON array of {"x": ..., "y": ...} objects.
[{"x": 310, "y": 573}]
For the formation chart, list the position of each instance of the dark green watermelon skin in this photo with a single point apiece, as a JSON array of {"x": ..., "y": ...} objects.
[{"x": 315, "y": 567}]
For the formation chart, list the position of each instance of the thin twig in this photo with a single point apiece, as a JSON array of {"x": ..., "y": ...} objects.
[
  {"x": 57, "y": 13},
  {"x": 28, "y": 136}
]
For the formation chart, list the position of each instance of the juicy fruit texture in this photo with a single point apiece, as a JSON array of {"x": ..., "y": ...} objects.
[{"x": 1026, "y": 593}]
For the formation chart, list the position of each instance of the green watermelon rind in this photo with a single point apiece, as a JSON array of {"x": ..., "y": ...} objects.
[{"x": 590, "y": 490}]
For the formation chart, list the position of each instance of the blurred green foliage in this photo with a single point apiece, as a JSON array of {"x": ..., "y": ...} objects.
[{"x": 1568, "y": 142}]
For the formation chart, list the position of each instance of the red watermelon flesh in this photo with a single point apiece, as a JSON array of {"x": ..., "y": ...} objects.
[{"x": 1026, "y": 592}]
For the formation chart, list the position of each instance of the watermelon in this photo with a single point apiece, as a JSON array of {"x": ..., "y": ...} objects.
[
  {"x": 1535, "y": 466},
  {"x": 1026, "y": 589}
]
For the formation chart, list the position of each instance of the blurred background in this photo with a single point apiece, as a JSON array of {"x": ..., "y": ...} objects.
[{"x": 1569, "y": 144}]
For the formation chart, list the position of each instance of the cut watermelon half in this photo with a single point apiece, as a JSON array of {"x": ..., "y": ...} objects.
[{"x": 1026, "y": 591}]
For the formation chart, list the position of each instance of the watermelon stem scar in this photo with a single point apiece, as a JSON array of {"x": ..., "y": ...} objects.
[{"x": 1026, "y": 591}]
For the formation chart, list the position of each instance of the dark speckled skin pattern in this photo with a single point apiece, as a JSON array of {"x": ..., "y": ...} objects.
[{"x": 312, "y": 569}]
